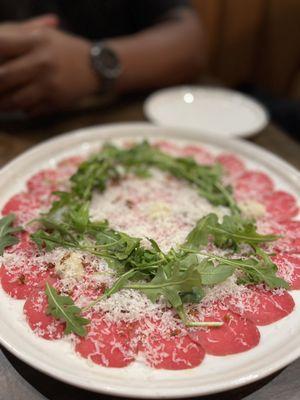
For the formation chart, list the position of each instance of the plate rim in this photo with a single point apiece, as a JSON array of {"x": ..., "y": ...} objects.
[
  {"x": 150, "y": 115},
  {"x": 119, "y": 130}
]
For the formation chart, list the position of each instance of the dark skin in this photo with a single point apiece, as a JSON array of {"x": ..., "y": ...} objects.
[{"x": 44, "y": 69}]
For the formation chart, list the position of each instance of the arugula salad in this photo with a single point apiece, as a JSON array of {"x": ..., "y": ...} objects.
[{"x": 153, "y": 249}]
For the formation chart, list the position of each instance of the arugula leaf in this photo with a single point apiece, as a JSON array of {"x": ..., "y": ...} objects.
[
  {"x": 195, "y": 296},
  {"x": 232, "y": 232},
  {"x": 171, "y": 285},
  {"x": 64, "y": 309},
  {"x": 6, "y": 232},
  {"x": 79, "y": 217},
  {"x": 53, "y": 239},
  {"x": 199, "y": 235},
  {"x": 75, "y": 230},
  {"x": 266, "y": 274},
  {"x": 256, "y": 269},
  {"x": 211, "y": 274}
]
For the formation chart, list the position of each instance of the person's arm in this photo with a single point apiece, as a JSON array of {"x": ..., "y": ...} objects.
[
  {"x": 167, "y": 53},
  {"x": 45, "y": 69}
]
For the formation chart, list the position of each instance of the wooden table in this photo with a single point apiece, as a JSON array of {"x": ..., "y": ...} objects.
[{"x": 21, "y": 382}]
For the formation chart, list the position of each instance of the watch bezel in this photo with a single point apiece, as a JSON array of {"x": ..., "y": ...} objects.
[{"x": 99, "y": 53}]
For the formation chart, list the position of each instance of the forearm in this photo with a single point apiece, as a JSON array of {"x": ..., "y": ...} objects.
[{"x": 168, "y": 53}]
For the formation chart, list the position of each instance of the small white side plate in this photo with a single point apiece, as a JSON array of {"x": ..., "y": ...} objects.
[{"x": 209, "y": 109}]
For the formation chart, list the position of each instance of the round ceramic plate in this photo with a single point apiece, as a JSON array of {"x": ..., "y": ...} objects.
[
  {"x": 280, "y": 342},
  {"x": 212, "y": 110}
]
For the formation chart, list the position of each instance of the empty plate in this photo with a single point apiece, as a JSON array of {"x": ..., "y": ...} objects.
[{"x": 208, "y": 109}]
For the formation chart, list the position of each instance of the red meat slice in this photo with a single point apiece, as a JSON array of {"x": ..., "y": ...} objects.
[
  {"x": 263, "y": 307},
  {"x": 292, "y": 229},
  {"x": 289, "y": 268},
  {"x": 253, "y": 185},
  {"x": 281, "y": 205},
  {"x": 107, "y": 344},
  {"x": 45, "y": 326},
  {"x": 69, "y": 165},
  {"x": 232, "y": 165},
  {"x": 289, "y": 230},
  {"x": 173, "y": 350},
  {"x": 25, "y": 246},
  {"x": 20, "y": 285},
  {"x": 287, "y": 245},
  {"x": 168, "y": 147},
  {"x": 20, "y": 203},
  {"x": 174, "y": 354},
  {"x": 44, "y": 182},
  {"x": 24, "y": 205},
  {"x": 237, "y": 335},
  {"x": 201, "y": 155}
]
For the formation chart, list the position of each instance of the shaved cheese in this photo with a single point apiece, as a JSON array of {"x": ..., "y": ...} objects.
[
  {"x": 252, "y": 209},
  {"x": 70, "y": 266},
  {"x": 160, "y": 207}
]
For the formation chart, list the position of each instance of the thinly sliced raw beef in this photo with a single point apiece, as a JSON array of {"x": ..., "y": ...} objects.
[
  {"x": 69, "y": 165},
  {"x": 45, "y": 326},
  {"x": 290, "y": 243},
  {"x": 107, "y": 344},
  {"x": 237, "y": 335},
  {"x": 24, "y": 246},
  {"x": 172, "y": 351},
  {"x": 292, "y": 229},
  {"x": 168, "y": 147},
  {"x": 233, "y": 165},
  {"x": 20, "y": 284},
  {"x": 201, "y": 155},
  {"x": 263, "y": 307},
  {"x": 44, "y": 182},
  {"x": 24, "y": 205},
  {"x": 281, "y": 205},
  {"x": 253, "y": 185},
  {"x": 287, "y": 245},
  {"x": 289, "y": 230},
  {"x": 289, "y": 268}
]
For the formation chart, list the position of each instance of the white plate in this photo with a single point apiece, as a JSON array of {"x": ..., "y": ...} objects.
[
  {"x": 280, "y": 342},
  {"x": 208, "y": 109}
]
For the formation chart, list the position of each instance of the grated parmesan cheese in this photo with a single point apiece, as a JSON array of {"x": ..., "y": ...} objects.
[
  {"x": 70, "y": 266},
  {"x": 160, "y": 207},
  {"x": 252, "y": 209}
]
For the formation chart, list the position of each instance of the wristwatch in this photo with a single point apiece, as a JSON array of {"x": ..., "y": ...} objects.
[{"x": 106, "y": 64}]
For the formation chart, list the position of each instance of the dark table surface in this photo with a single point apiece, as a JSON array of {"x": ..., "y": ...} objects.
[{"x": 21, "y": 382}]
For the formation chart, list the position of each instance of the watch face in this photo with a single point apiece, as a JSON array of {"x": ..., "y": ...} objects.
[{"x": 106, "y": 62}]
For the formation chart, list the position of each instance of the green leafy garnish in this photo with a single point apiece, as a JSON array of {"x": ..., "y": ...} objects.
[
  {"x": 7, "y": 231},
  {"x": 64, "y": 309},
  {"x": 172, "y": 286},
  {"x": 112, "y": 163},
  {"x": 256, "y": 269},
  {"x": 232, "y": 232}
]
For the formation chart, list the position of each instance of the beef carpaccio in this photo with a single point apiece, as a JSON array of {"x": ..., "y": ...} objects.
[{"x": 129, "y": 322}]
